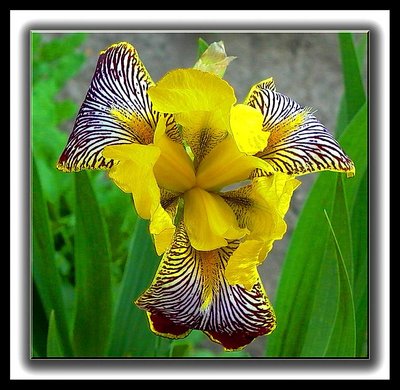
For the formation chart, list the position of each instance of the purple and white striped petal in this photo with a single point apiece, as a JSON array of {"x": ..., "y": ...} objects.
[
  {"x": 116, "y": 110},
  {"x": 190, "y": 291},
  {"x": 298, "y": 143}
]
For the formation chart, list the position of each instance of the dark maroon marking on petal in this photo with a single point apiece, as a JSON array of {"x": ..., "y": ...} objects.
[
  {"x": 163, "y": 325},
  {"x": 236, "y": 340}
]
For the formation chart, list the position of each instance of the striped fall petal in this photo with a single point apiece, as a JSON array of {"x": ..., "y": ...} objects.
[
  {"x": 116, "y": 110},
  {"x": 298, "y": 143},
  {"x": 191, "y": 291}
]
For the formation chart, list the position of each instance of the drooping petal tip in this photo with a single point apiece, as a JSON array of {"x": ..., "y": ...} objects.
[{"x": 190, "y": 291}]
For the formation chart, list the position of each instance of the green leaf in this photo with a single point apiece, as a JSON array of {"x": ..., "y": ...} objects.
[
  {"x": 202, "y": 46},
  {"x": 189, "y": 346},
  {"x": 354, "y": 141},
  {"x": 40, "y": 325},
  {"x": 65, "y": 110},
  {"x": 302, "y": 267},
  {"x": 322, "y": 308},
  {"x": 58, "y": 59},
  {"x": 54, "y": 347},
  {"x": 361, "y": 51},
  {"x": 67, "y": 67},
  {"x": 359, "y": 223},
  {"x": 36, "y": 43},
  {"x": 62, "y": 46},
  {"x": 131, "y": 335},
  {"x": 343, "y": 117},
  {"x": 342, "y": 342},
  {"x": 53, "y": 62},
  {"x": 92, "y": 273},
  {"x": 340, "y": 223},
  {"x": 120, "y": 218},
  {"x": 354, "y": 94},
  {"x": 45, "y": 272},
  {"x": 328, "y": 310},
  {"x": 296, "y": 300}
]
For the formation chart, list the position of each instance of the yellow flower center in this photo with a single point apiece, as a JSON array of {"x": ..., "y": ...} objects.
[{"x": 208, "y": 218}]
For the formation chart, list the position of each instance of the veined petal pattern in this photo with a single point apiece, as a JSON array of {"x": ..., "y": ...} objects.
[
  {"x": 116, "y": 110},
  {"x": 190, "y": 291},
  {"x": 298, "y": 143}
]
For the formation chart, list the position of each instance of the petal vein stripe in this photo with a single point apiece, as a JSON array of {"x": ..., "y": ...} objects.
[
  {"x": 116, "y": 110},
  {"x": 233, "y": 316},
  {"x": 298, "y": 143}
]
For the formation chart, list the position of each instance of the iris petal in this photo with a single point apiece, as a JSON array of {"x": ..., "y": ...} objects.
[
  {"x": 261, "y": 206},
  {"x": 116, "y": 110},
  {"x": 298, "y": 143},
  {"x": 246, "y": 126},
  {"x": 134, "y": 174},
  {"x": 190, "y": 291},
  {"x": 209, "y": 220},
  {"x": 189, "y": 90},
  {"x": 242, "y": 266},
  {"x": 201, "y": 104}
]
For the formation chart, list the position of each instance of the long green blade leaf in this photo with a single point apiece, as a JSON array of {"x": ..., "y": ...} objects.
[
  {"x": 54, "y": 348},
  {"x": 39, "y": 325},
  {"x": 354, "y": 93},
  {"x": 328, "y": 310},
  {"x": 92, "y": 273},
  {"x": 359, "y": 223},
  {"x": 322, "y": 312},
  {"x": 340, "y": 222},
  {"x": 304, "y": 262},
  {"x": 361, "y": 51},
  {"x": 342, "y": 342},
  {"x": 45, "y": 273},
  {"x": 302, "y": 266},
  {"x": 131, "y": 335},
  {"x": 355, "y": 141}
]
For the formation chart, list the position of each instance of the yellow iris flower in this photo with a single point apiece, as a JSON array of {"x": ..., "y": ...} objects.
[{"x": 213, "y": 177}]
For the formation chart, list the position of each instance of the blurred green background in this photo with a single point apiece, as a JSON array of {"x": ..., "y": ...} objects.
[{"x": 92, "y": 257}]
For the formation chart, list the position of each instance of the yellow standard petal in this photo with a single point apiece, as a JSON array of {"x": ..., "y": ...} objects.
[
  {"x": 188, "y": 90},
  {"x": 246, "y": 127},
  {"x": 200, "y": 102},
  {"x": 209, "y": 220}
]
